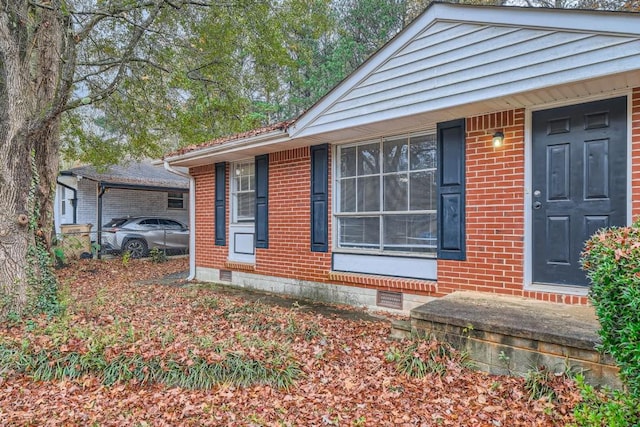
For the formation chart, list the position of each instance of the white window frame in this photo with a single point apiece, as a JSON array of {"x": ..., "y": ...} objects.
[
  {"x": 380, "y": 213},
  {"x": 236, "y": 171}
]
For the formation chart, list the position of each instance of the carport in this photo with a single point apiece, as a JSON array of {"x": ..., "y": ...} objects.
[{"x": 90, "y": 185}]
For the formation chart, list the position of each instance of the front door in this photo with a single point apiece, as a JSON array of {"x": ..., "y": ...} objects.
[{"x": 579, "y": 183}]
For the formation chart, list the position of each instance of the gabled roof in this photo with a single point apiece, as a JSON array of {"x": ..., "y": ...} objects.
[
  {"x": 458, "y": 60},
  {"x": 133, "y": 175}
]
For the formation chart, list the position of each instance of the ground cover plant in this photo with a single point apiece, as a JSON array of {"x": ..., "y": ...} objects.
[{"x": 132, "y": 349}]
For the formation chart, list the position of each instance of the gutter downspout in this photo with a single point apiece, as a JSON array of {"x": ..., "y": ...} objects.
[{"x": 192, "y": 218}]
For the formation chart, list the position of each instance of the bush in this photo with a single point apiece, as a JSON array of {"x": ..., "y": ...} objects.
[
  {"x": 612, "y": 261},
  {"x": 609, "y": 408},
  {"x": 157, "y": 255}
]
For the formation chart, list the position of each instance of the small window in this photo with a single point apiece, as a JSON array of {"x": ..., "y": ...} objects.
[
  {"x": 63, "y": 198},
  {"x": 243, "y": 192},
  {"x": 175, "y": 200}
]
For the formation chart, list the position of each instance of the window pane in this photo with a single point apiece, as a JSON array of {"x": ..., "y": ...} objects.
[
  {"x": 396, "y": 155},
  {"x": 410, "y": 233},
  {"x": 348, "y": 161},
  {"x": 395, "y": 192},
  {"x": 368, "y": 159},
  {"x": 246, "y": 206},
  {"x": 244, "y": 176},
  {"x": 424, "y": 194},
  {"x": 175, "y": 204},
  {"x": 423, "y": 152},
  {"x": 175, "y": 200},
  {"x": 369, "y": 194},
  {"x": 359, "y": 232},
  {"x": 348, "y": 195},
  {"x": 170, "y": 224}
]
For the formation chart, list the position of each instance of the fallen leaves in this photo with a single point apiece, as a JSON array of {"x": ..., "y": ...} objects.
[{"x": 345, "y": 379}]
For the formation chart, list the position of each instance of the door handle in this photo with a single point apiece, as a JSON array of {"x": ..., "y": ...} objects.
[{"x": 537, "y": 205}]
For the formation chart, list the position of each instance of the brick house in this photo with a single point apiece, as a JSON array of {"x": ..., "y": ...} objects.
[{"x": 477, "y": 150}]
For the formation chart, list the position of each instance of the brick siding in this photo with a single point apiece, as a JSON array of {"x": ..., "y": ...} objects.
[
  {"x": 495, "y": 226},
  {"x": 635, "y": 153},
  {"x": 494, "y": 209}
]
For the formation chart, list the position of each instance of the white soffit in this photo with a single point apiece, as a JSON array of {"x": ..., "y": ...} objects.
[{"x": 459, "y": 60}]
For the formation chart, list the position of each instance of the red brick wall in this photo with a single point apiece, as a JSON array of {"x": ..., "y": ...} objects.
[
  {"x": 494, "y": 209},
  {"x": 207, "y": 254},
  {"x": 289, "y": 253},
  {"x": 635, "y": 153},
  {"x": 494, "y": 216}
]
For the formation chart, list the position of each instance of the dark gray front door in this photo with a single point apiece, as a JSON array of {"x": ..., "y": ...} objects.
[{"x": 579, "y": 183}]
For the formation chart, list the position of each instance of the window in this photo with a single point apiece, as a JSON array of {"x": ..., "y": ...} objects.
[
  {"x": 169, "y": 224},
  {"x": 63, "y": 201},
  {"x": 175, "y": 200},
  {"x": 243, "y": 192},
  {"x": 387, "y": 195}
]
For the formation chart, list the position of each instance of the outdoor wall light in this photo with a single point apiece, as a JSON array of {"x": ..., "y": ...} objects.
[{"x": 498, "y": 139}]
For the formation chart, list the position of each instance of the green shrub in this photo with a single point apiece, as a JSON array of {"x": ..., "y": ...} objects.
[
  {"x": 612, "y": 261},
  {"x": 158, "y": 256},
  {"x": 606, "y": 408}
]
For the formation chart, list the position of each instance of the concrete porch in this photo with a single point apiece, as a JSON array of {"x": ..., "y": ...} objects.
[{"x": 513, "y": 335}]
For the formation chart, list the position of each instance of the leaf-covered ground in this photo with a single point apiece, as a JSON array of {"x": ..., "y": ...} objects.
[{"x": 338, "y": 366}]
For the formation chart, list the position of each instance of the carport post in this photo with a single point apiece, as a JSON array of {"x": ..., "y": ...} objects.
[{"x": 101, "y": 190}]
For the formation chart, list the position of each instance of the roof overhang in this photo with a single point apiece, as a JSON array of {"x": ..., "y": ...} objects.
[
  {"x": 581, "y": 91},
  {"x": 236, "y": 149},
  {"x": 105, "y": 184}
]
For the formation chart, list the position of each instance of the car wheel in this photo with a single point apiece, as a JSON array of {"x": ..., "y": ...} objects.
[{"x": 136, "y": 247}]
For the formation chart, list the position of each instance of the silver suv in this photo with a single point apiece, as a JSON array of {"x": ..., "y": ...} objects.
[{"x": 139, "y": 234}]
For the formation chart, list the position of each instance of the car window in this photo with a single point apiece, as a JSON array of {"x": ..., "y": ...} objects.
[
  {"x": 116, "y": 222},
  {"x": 169, "y": 223},
  {"x": 151, "y": 221}
]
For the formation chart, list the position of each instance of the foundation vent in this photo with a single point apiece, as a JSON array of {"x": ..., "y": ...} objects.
[
  {"x": 389, "y": 299},
  {"x": 225, "y": 275}
]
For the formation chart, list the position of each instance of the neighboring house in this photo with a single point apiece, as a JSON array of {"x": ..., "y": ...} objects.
[
  {"x": 87, "y": 196},
  {"x": 391, "y": 190}
]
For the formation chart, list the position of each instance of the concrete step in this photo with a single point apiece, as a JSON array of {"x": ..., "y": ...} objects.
[{"x": 511, "y": 335}]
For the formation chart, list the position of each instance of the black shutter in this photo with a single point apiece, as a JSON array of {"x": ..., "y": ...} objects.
[
  {"x": 451, "y": 193},
  {"x": 220, "y": 204},
  {"x": 319, "y": 198},
  {"x": 262, "y": 201}
]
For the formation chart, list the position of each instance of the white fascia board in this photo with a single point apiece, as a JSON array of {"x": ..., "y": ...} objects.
[
  {"x": 233, "y": 146},
  {"x": 593, "y": 21},
  {"x": 596, "y": 22}
]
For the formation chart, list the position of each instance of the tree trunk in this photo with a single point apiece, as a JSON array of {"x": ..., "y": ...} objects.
[{"x": 31, "y": 60}]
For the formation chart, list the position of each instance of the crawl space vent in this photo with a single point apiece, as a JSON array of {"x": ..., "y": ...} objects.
[
  {"x": 389, "y": 299},
  {"x": 225, "y": 275}
]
